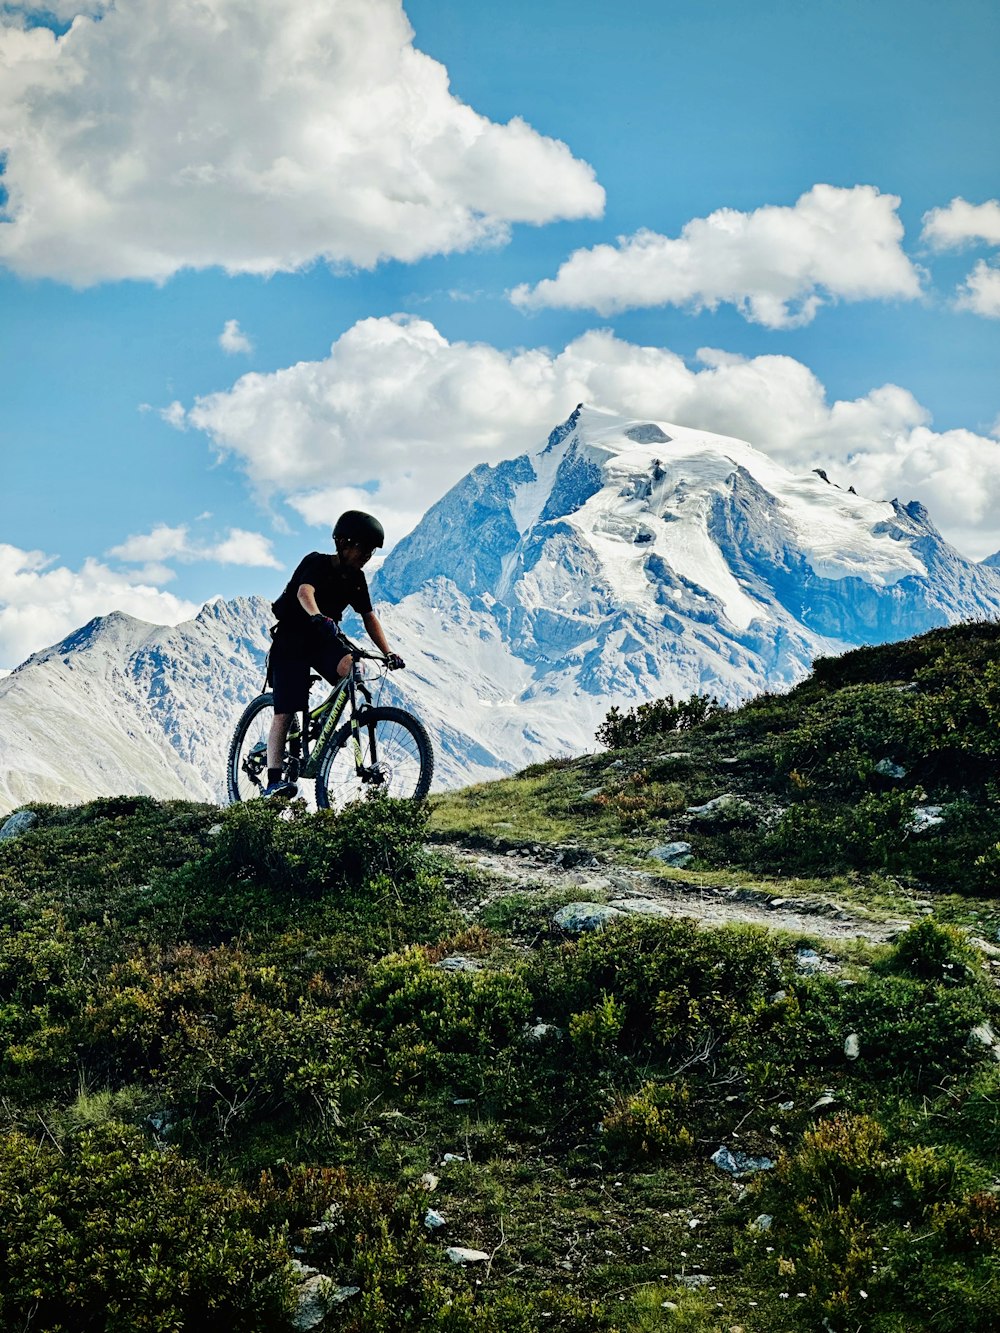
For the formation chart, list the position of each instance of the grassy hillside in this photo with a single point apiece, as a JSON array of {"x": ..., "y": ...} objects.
[
  {"x": 885, "y": 763},
  {"x": 231, "y": 1040}
]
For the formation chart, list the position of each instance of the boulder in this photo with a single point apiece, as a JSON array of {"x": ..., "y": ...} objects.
[
  {"x": 739, "y": 1164},
  {"x": 676, "y": 854},
  {"x": 17, "y": 824},
  {"x": 576, "y": 918}
]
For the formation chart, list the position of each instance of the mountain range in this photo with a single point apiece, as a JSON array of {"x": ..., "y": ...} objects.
[{"x": 620, "y": 560}]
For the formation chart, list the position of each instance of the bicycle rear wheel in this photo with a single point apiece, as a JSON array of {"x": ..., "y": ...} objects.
[
  {"x": 397, "y": 759},
  {"x": 246, "y": 766}
]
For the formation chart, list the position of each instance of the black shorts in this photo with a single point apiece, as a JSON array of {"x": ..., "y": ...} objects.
[{"x": 293, "y": 660}]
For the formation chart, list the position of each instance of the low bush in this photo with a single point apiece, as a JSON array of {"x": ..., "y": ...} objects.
[
  {"x": 649, "y": 720},
  {"x": 103, "y": 1233},
  {"x": 440, "y": 1029},
  {"x": 880, "y": 1238}
]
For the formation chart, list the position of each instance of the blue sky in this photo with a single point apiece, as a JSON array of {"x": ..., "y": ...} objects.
[{"x": 759, "y": 199}]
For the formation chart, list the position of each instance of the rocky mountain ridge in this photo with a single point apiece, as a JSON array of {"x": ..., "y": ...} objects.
[{"x": 621, "y": 560}]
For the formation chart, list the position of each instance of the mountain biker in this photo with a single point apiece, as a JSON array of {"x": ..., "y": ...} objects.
[{"x": 307, "y": 636}]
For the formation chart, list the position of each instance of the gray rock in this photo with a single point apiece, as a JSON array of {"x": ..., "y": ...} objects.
[
  {"x": 984, "y": 1035},
  {"x": 18, "y": 824},
  {"x": 890, "y": 770},
  {"x": 458, "y": 963},
  {"x": 693, "y": 1280},
  {"x": 852, "y": 1046},
  {"x": 430, "y": 1181},
  {"x": 433, "y": 1220},
  {"x": 580, "y": 917},
  {"x": 458, "y": 1254},
  {"x": 676, "y": 854},
  {"x": 720, "y": 807},
  {"x": 926, "y": 817},
  {"x": 826, "y": 1098},
  {"x": 808, "y": 961},
  {"x": 762, "y": 1223},
  {"x": 316, "y": 1294},
  {"x": 591, "y": 793},
  {"x": 739, "y": 1164},
  {"x": 542, "y": 1031}
]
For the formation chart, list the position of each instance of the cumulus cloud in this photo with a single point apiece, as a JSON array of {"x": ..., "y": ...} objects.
[
  {"x": 980, "y": 292},
  {"x": 41, "y": 602},
  {"x": 258, "y": 135},
  {"x": 233, "y": 340},
  {"x": 396, "y": 414},
  {"x": 777, "y": 265},
  {"x": 238, "y": 547},
  {"x": 962, "y": 223}
]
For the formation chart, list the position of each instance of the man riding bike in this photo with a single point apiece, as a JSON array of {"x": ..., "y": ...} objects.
[{"x": 307, "y": 636}]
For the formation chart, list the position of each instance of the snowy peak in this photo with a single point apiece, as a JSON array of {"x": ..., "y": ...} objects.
[
  {"x": 624, "y": 557},
  {"x": 618, "y": 560},
  {"x": 622, "y": 499}
]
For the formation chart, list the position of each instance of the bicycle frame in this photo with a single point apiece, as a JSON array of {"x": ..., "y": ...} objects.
[{"x": 322, "y": 729}]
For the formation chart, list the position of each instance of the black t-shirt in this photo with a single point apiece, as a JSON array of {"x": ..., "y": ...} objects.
[{"x": 337, "y": 587}]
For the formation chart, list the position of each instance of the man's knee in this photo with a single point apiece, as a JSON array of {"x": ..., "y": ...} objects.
[{"x": 344, "y": 665}]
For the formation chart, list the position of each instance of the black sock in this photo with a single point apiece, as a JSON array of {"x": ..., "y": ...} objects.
[{"x": 273, "y": 776}]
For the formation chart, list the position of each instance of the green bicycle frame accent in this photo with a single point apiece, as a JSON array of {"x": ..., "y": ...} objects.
[{"x": 334, "y": 707}]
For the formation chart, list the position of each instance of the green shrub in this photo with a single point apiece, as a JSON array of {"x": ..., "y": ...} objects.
[
  {"x": 649, "y": 720},
  {"x": 221, "y": 1037},
  {"x": 651, "y": 1122},
  {"x": 105, "y": 1234},
  {"x": 873, "y": 1236},
  {"x": 822, "y": 838},
  {"x": 678, "y": 988},
  {"x": 44, "y": 981},
  {"x": 911, "y": 1032},
  {"x": 932, "y": 951},
  {"x": 434, "y": 1028},
  {"x": 638, "y": 800}
]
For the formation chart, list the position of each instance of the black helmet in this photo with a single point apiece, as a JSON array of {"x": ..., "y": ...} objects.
[{"x": 359, "y": 528}]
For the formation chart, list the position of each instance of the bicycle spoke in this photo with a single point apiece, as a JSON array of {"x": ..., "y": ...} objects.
[{"x": 395, "y": 760}]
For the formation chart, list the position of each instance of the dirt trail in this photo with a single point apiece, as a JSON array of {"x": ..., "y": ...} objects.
[{"x": 639, "y": 893}]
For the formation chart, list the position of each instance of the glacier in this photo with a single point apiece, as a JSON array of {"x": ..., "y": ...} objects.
[{"x": 621, "y": 559}]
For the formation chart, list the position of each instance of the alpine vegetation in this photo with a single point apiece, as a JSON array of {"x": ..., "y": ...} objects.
[{"x": 502, "y": 1063}]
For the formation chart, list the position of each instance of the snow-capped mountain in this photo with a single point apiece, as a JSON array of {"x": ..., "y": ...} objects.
[
  {"x": 626, "y": 559},
  {"x": 621, "y": 560},
  {"x": 124, "y": 706}
]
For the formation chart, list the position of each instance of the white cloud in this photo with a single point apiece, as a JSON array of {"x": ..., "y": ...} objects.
[
  {"x": 173, "y": 414},
  {"x": 41, "y": 602},
  {"x": 258, "y": 135},
  {"x": 242, "y": 548},
  {"x": 233, "y": 340},
  {"x": 962, "y": 223},
  {"x": 238, "y": 547},
  {"x": 777, "y": 265},
  {"x": 396, "y": 414},
  {"x": 163, "y": 543},
  {"x": 980, "y": 292}
]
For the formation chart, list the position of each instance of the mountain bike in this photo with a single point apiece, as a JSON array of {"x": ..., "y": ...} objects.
[{"x": 377, "y": 750}]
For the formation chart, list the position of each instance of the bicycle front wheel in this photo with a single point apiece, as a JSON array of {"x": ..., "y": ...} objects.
[{"x": 396, "y": 760}]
